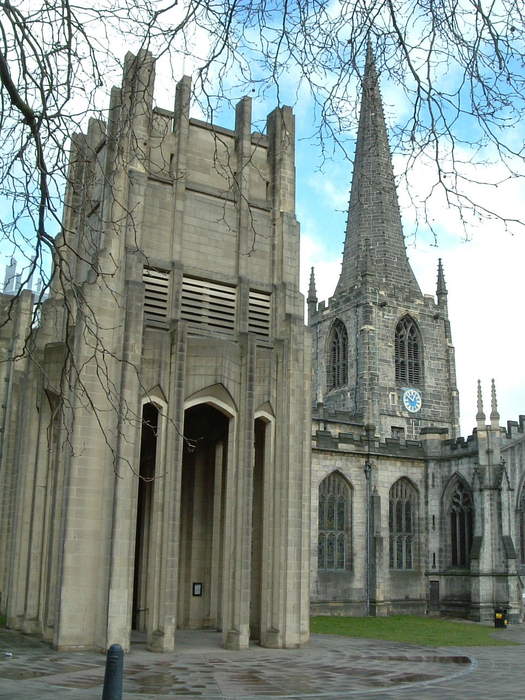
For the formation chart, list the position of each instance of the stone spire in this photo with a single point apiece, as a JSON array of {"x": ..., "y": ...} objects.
[
  {"x": 480, "y": 416},
  {"x": 494, "y": 415},
  {"x": 373, "y": 211}
]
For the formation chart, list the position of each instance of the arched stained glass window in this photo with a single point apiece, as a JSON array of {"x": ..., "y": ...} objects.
[
  {"x": 334, "y": 523},
  {"x": 521, "y": 524},
  {"x": 461, "y": 518},
  {"x": 408, "y": 352},
  {"x": 337, "y": 360},
  {"x": 402, "y": 524}
]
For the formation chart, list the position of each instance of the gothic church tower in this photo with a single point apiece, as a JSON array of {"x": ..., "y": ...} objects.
[{"x": 382, "y": 351}]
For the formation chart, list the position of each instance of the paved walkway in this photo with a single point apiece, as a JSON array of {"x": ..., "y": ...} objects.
[{"x": 330, "y": 667}]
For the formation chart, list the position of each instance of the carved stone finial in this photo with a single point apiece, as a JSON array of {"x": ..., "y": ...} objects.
[
  {"x": 480, "y": 416},
  {"x": 441, "y": 289},
  {"x": 494, "y": 415},
  {"x": 312, "y": 292}
]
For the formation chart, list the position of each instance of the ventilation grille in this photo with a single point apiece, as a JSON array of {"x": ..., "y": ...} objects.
[
  {"x": 208, "y": 304},
  {"x": 259, "y": 313},
  {"x": 156, "y": 293}
]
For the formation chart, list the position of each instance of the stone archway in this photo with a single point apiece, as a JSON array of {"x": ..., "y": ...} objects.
[
  {"x": 202, "y": 513},
  {"x": 141, "y": 569}
]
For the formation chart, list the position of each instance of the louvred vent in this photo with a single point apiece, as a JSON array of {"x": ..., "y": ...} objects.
[
  {"x": 259, "y": 308},
  {"x": 156, "y": 294},
  {"x": 208, "y": 304}
]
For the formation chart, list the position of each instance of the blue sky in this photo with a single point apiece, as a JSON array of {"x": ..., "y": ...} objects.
[
  {"x": 483, "y": 267},
  {"x": 484, "y": 278},
  {"x": 484, "y": 275}
]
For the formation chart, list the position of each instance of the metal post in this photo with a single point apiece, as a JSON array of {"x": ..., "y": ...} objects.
[
  {"x": 114, "y": 673},
  {"x": 367, "y": 468}
]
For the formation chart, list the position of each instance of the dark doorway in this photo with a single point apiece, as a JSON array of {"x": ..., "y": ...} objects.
[
  {"x": 434, "y": 597},
  {"x": 260, "y": 431},
  {"x": 203, "y": 483},
  {"x": 148, "y": 455}
]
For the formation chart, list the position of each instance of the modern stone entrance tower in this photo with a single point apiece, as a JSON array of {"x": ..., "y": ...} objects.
[{"x": 164, "y": 477}]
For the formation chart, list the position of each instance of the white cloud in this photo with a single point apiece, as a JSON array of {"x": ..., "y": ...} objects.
[
  {"x": 484, "y": 280},
  {"x": 335, "y": 196},
  {"x": 326, "y": 269}
]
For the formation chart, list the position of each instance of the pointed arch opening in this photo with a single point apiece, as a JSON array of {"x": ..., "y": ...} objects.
[
  {"x": 53, "y": 510},
  {"x": 459, "y": 520},
  {"x": 402, "y": 521},
  {"x": 408, "y": 352},
  {"x": 335, "y": 518},
  {"x": 260, "y": 520},
  {"x": 521, "y": 524},
  {"x": 337, "y": 360},
  {"x": 207, "y": 430},
  {"x": 143, "y": 532}
]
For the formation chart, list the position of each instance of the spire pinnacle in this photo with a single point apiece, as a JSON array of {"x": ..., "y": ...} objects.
[
  {"x": 441, "y": 288},
  {"x": 373, "y": 211},
  {"x": 494, "y": 415},
  {"x": 480, "y": 416},
  {"x": 312, "y": 292}
]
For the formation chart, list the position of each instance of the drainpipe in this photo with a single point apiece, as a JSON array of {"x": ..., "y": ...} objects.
[{"x": 367, "y": 468}]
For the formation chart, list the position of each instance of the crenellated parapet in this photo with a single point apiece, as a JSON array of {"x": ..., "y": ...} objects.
[{"x": 333, "y": 431}]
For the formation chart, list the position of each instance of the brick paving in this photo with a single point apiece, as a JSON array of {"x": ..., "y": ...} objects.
[{"x": 330, "y": 667}]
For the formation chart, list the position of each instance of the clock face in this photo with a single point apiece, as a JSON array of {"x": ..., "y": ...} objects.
[{"x": 412, "y": 400}]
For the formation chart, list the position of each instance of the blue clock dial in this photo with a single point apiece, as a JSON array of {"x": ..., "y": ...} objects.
[{"x": 412, "y": 400}]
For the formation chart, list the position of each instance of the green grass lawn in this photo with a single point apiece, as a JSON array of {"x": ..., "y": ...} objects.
[{"x": 429, "y": 631}]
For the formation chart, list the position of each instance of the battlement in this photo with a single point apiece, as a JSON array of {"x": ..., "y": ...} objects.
[
  {"x": 358, "y": 441},
  {"x": 462, "y": 443},
  {"x": 515, "y": 428},
  {"x": 339, "y": 302},
  {"x": 461, "y": 446}
]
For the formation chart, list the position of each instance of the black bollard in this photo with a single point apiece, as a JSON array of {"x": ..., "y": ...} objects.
[{"x": 114, "y": 672}]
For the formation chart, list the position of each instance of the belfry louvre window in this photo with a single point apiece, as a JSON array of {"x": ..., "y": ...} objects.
[
  {"x": 208, "y": 304},
  {"x": 461, "y": 518},
  {"x": 408, "y": 352},
  {"x": 156, "y": 295},
  {"x": 402, "y": 525},
  {"x": 259, "y": 308},
  {"x": 337, "y": 361},
  {"x": 334, "y": 524}
]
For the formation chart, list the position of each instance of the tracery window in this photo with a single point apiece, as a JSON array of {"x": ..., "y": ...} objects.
[
  {"x": 334, "y": 523},
  {"x": 408, "y": 352},
  {"x": 402, "y": 524},
  {"x": 461, "y": 518},
  {"x": 521, "y": 524},
  {"x": 337, "y": 361}
]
